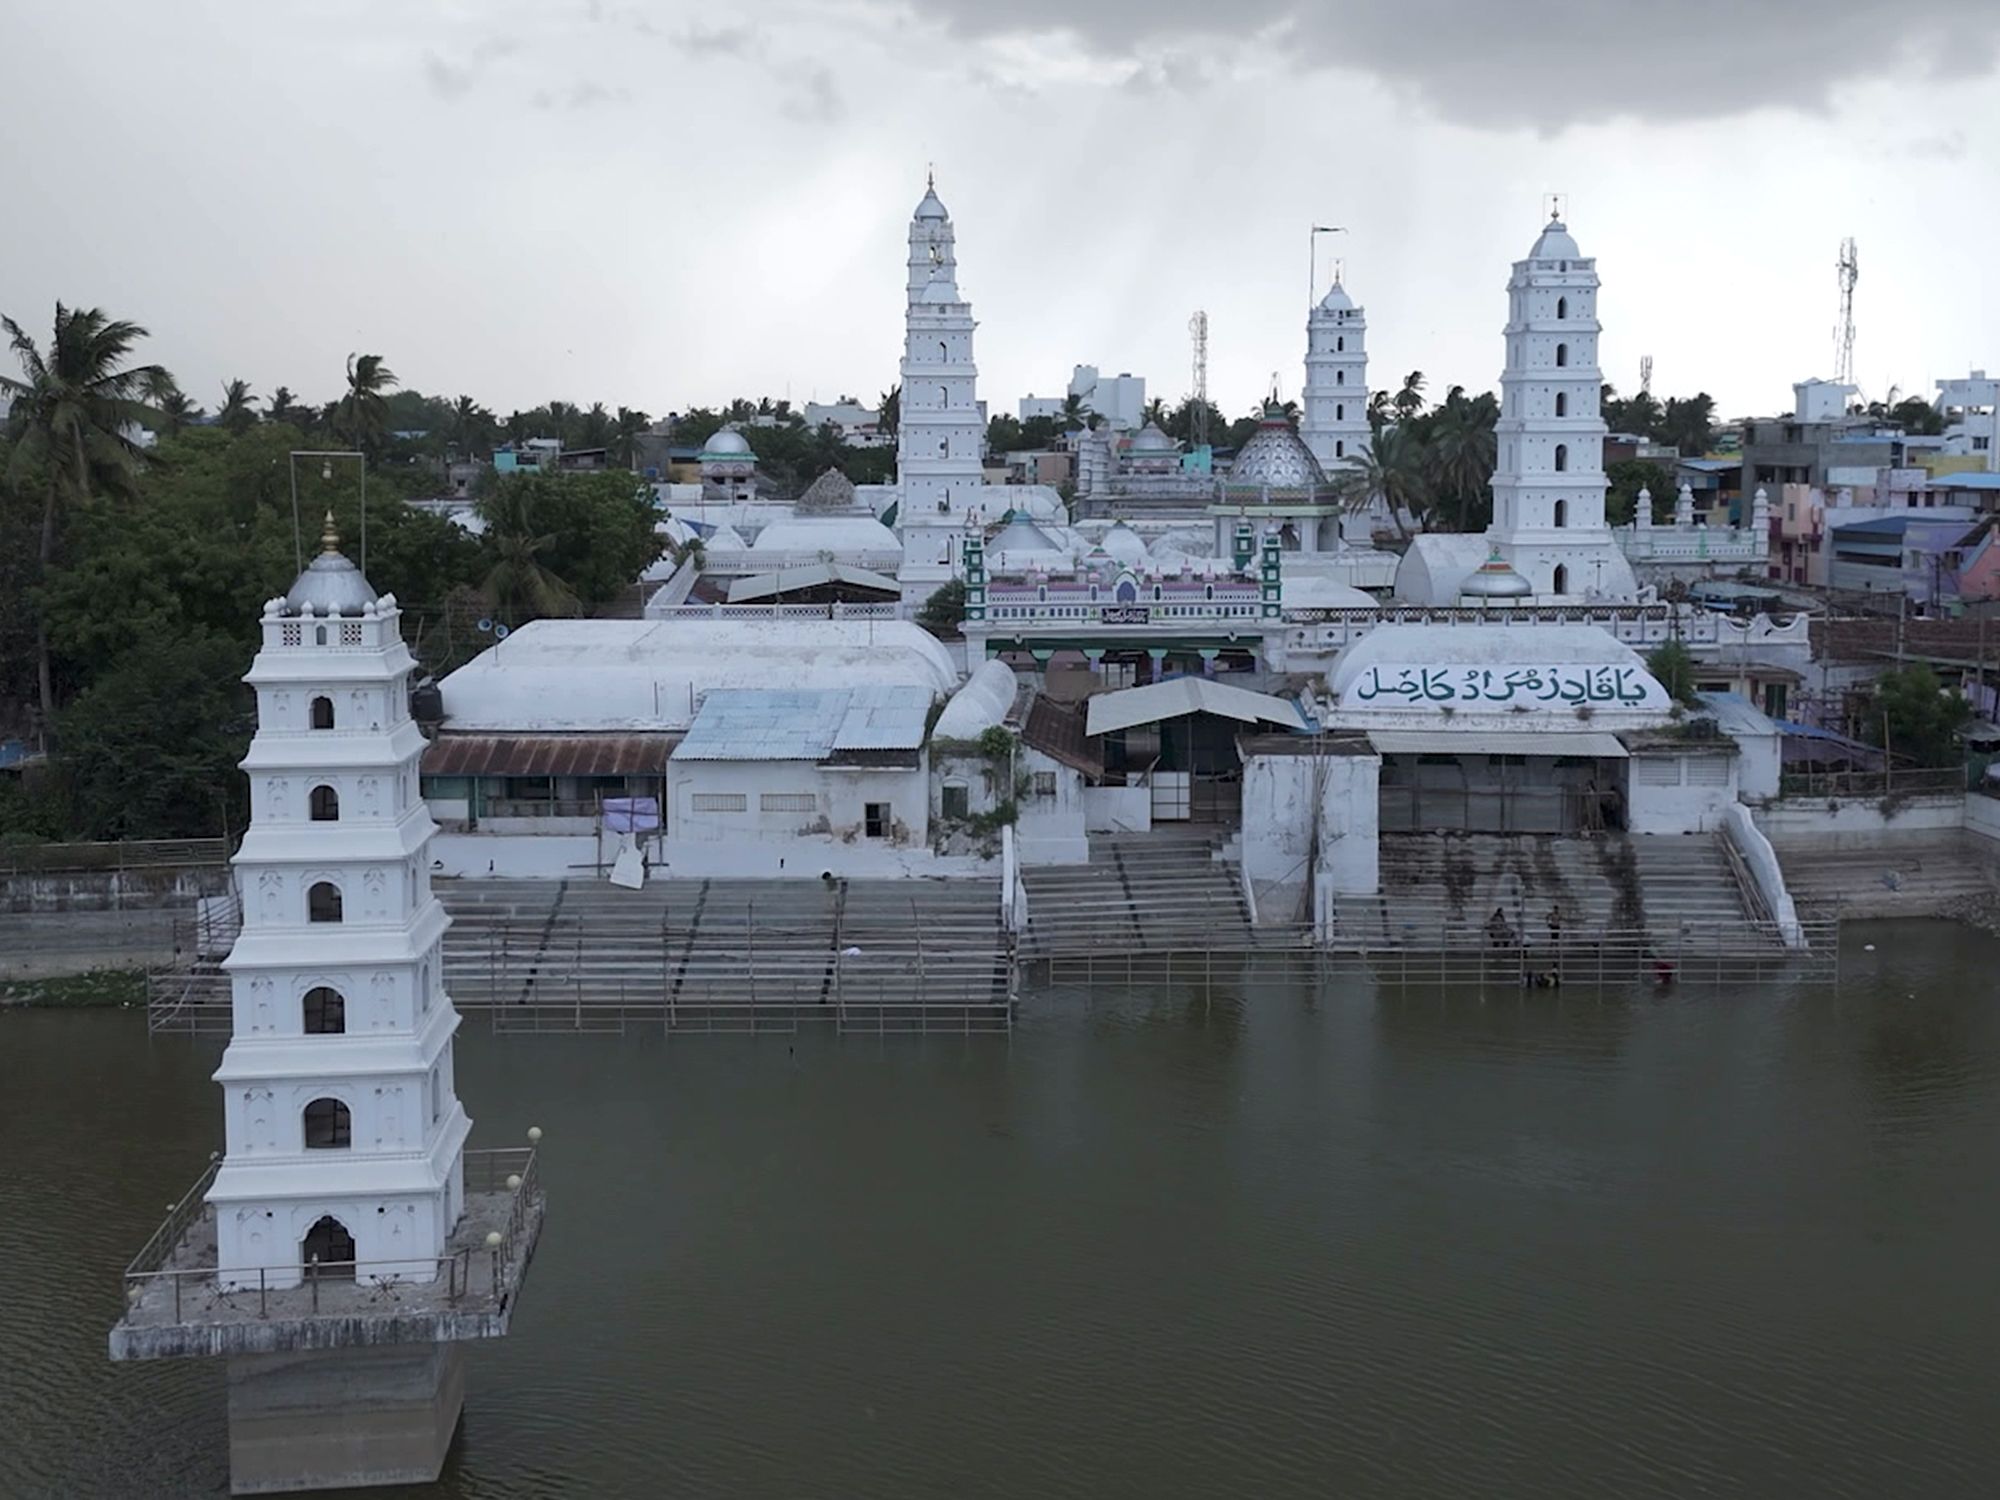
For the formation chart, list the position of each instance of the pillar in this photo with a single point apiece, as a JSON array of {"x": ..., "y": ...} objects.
[{"x": 1642, "y": 509}]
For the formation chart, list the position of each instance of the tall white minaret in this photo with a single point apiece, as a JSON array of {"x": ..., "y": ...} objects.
[
  {"x": 345, "y": 1139},
  {"x": 940, "y": 435},
  {"x": 1335, "y": 422},
  {"x": 1548, "y": 478}
]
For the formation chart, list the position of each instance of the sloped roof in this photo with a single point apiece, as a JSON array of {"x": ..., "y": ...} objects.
[
  {"x": 805, "y": 724},
  {"x": 814, "y": 575},
  {"x": 1181, "y": 696}
]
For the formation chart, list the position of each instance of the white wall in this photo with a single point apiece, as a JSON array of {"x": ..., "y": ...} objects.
[
  {"x": 1278, "y": 792},
  {"x": 1859, "y": 818},
  {"x": 1118, "y": 809},
  {"x": 1696, "y": 799},
  {"x": 1052, "y": 830},
  {"x": 837, "y": 796}
]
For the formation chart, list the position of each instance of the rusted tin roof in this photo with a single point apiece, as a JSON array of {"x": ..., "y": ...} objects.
[
  {"x": 1057, "y": 731},
  {"x": 548, "y": 754}
]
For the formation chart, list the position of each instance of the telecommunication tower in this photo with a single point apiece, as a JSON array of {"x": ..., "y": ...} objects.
[
  {"x": 1848, "y": 268},
  {"x": 1646, "y": 374},
  {"x": 1198, "y": 419}
]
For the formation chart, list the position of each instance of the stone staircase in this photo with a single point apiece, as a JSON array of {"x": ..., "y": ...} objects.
[
  {"x": 731, "y": 954},
  {"x": 1657, "y": 893},
  {"x": 1923, "y": 873},
  {"x": 1163, "y": 892}
]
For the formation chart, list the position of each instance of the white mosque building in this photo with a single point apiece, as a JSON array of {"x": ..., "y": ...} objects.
[
  {"x": 344, "y": 1138},
  {"x": 1548, "y": 483},
  {"x": 1334, "y": 423}
]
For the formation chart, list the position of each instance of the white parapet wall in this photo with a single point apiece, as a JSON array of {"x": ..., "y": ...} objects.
[{"x": 1761, "y": 861}]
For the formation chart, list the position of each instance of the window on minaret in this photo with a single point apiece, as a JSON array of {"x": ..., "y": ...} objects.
[
  {"x": 1340, "y": 377},
  {"x": 1340, "y": 414},
  {"x": 323, "y": 902},
  {"x": 322, "y": 713},
  {"x": 1562, "y": 518},
  {"x": 1339, "y": 448},
  {"x": 944, "y": 395},
  {"x": 319, "y": 636},
  {"x": 325, "y": 804},
  {"x": 1562, "y": 403},
  {"x": 1562, "y": 458},
  {"x": 329, "y": 1127},
  {"x": 1561, "y": 581},
  {"x": 1562, "y": 354},
  {"x": 944, "y": 351},
  {"x": 1340, "y": 344},
  {"x": 325, "y": 1012},
  {"x": 1562, "y": 307}
]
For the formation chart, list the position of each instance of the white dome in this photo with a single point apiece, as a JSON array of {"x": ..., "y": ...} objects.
[
  {"x": 1336, "y": 299},
  {"x": 1555, "y": 244},
  {"x": 1152, "y": 440},
  {"x": 1022, "y": 546},
  {"x": 1319, "y": 591},
  {"x": 726, "y": 442},
  {"x": 331, "y": 584},
  {"x": 1125, "y": 544},
  {"x": 836, "y": 534},
  {"x": 983, "y": 702},
  {"x": 929, "y": 208}
]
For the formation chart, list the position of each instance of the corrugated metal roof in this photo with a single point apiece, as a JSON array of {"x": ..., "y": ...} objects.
[
  {"x": 1057, "y": 731},
  {"x": 817, "y": 575},
  {"x": 1180, "y": 696},
  {"x": 548, "y": 754},
  {"x": 804, "y": 723}
]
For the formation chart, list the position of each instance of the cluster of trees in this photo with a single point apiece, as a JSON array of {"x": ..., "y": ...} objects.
[
  {"x": 1911, "y": 713},
  {"x": 790, "y": 453},
  {"x": 131, "y": 579}
]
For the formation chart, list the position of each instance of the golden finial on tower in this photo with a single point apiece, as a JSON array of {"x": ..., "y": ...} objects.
[{"x": 329, "y": 539}]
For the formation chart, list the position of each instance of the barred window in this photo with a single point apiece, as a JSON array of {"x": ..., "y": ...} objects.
[
  {"x": 721, "y": 802},
  {"x": 1041, "y": 783},
  {"x": 290, "y": 635},
  {"x": 350, "y": 633},
  {"x": 787, "y": 802}
]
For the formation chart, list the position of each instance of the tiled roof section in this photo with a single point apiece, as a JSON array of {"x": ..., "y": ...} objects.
[
  {"x": 548, "y": 754},
  {"x": 1057, "y": 731}
]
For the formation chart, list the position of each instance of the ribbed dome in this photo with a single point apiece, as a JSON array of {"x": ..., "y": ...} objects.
[
  {"x": 1152, "y": 440},
  {"x": 1495, "y": 579},
  {"x": 1336, "y": 299},
  {"x": 726, "y": 442},
  {"x": 1278, "y": 461},
  {"x": 1555, "y": 244},
  {"x": 331, "y": 584},
  {"x": 833, "y": 490}
]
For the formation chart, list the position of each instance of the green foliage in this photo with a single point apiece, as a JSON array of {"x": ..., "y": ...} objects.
[
  {"x": 1627, "y": 477},
  {"x": 150, "y": 749},
  {"x": 1687, "y": 424},
  {"x": 591, "y": 533},
  {"x": 944, "y": 611},
  {"x": 1673, "y": 664},
  {"x": 1913, "y": 715},
  {"x": 996, "y": 742}
]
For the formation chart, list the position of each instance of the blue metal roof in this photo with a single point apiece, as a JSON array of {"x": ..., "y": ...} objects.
[
  {"x": 1885, "y": 526},
  {"x": 1973, "y": 480},
  {"x": 1709, "y": 465},
  {"x": 805, "y": 723}
]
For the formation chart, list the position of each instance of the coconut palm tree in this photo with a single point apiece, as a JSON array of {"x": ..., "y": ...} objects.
[
  {"x": 631, "y": 426},
  {"x": 889, "y": 411},
  {"x": 470, "y": 424},
  {"x": 1460, "y": 451},
  {"x": 73, "y": 411},
  {"x": 1076, "y": 413},
  {"x": 1409, "y": 401},
  {"x": 361, "y": 417},
  {"x": 238, "y": 412},
  {"x": 282, "y": 406},
  {"x": 1391, "y": 470},
  {"x": 518, "y": 584},
  {"x": 594, "y": 427}
]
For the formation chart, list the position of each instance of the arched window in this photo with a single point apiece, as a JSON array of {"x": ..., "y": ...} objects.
[
  {"x": 1562, "y": 518},
  {"x": 1340, "y": 377},
  {"x": 1339, "y": 448},
  {"x": 1562, "y": 403},
  {"x": 323, "y": 902},
  {"x": 325, "y": 1012},
  {"x": 1340, "y": 414},
  {"x": 1562, "y": 458},
  {"x": 1340, "y": 344},
  {"x": 327, "y": 1251},
  {"x": 944, "y": 351},
  {"x": 1562, "y": 354},
  {"x": 324, "y": 804},
  {"x": 319, "y": 635},
  {"x": 1562, "y": 307},
  {"x": 944, "y": 395},
  {"x": 322, "y": 713},
  {"x": 328, "y": 1126},
  {"x": 1561, "y": 580}
]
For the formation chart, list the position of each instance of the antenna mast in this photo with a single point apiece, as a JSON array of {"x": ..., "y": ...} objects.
[
  {"x": 1198, "y": 421},
  {"x": 1849, "y": 269},
  {"x": 1645, "y": 374}
]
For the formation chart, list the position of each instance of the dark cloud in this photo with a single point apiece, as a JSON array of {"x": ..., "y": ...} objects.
[{"x": 1539, "y": 63}]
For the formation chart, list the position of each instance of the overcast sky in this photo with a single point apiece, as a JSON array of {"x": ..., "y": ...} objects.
[{"x": 664, "y": 204}]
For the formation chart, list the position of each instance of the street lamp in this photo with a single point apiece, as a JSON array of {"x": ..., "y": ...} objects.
[{"x": 326, "y": 458}]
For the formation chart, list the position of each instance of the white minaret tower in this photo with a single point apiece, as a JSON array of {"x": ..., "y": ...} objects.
[
  {"x": 1335, "y": 422},
  {"x": 1548, "y": 479},
  {"x": 940, "y": 434},
  {"x": 345, "y": 1139}
]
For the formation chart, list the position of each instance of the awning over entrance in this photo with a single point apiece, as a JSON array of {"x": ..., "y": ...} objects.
[
  {"x": 1586, "y": 744},
  {"x": 1181, "y": 696}
]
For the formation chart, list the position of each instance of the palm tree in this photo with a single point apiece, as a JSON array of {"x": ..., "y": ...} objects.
[
  {"x": 1409, "y": 401},
  {"x": 238, "y": 412},
  {"x": 176, "y": 409},
  {"x": 595, "y": 427},
  {"x": 282, "y": 406},
  {"x": 1076, "y": 413},
  {"x": 1460, "y": 452},
  {"x": 1391, "y": 471},
  {"x": 890, "y": 411},
  {"x": 469, "y": 421},
  {"x": 361, "y": 417},
  {"x": 72, "y": 412},
  {"x": 518, "y": 583},
  {"x": 1156, "y": 412},
  {"x": 632, "y": 425}
]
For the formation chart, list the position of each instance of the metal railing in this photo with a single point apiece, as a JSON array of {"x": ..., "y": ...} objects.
[
  {"x": 119, "y": 855},
  {"x": 1923, "y": 782},
  {"x": 154, "y": 1287}
]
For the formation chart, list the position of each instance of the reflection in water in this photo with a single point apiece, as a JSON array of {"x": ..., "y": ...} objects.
[{"x": 1300, "y": 1239}]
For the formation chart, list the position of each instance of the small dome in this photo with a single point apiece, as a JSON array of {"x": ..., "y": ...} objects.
[
  {"x": 832, "y": 491},
  {"x": 331, "y": 583},
  {"x": 929, "y": 208},
  {"x": 1276, "y": 459},
  {"x": 1495, "y": 579},
  {"x": 1125, "y": 544},
  {"x": 726, "y": 442},
  {"x": 1152, "y": 440},
  {"x": 1555, "y": 244},
  {"x": 1336, "y": 299}
]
